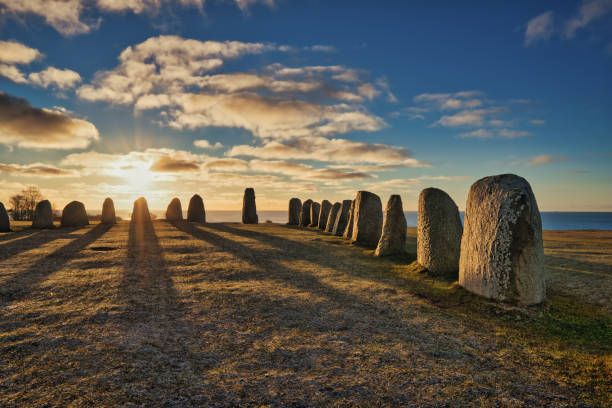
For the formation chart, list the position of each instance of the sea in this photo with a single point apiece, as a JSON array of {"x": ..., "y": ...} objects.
[{"x": 550, "y": 220}]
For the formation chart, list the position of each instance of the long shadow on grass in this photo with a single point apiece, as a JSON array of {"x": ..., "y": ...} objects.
[
  {"x": 20, "y": 285},
  {"x": 18, "y": 234},
  {"x": 33, "y": 239}
]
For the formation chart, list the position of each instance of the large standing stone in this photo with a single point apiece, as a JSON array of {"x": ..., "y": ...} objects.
[
  {"x": 295, "y": 206},
  {"x": 43, "y": 215},
  {"x": 74, "y": 215},
  {"x": 502, "y": 256},
  {"x": 315, "y": 209},
  {"x": 5, "y": 224},
  {"x": 108, "y": 212},
  {"x": 331, "y": 219},
  {"x": 196, "y": 211},
  {"x": 249, "y": 209},
  {"x": 350, "y": 220},
  {"x": 324, "y": 214},
  {"x": 393, "y": 238},
  {"x": 438, "y": 233},
  {"x": 140, "y": 212},
  {"x": 174, "y": 212},
  {"x": 342, "y": 218},
  {"x": 305, "y": 213},
  {"x": 368, "y": 219}
]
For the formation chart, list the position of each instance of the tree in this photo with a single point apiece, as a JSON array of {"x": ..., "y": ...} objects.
[
  {"x": 24, "y": 204},
  {"x": 18, "y": 206}
]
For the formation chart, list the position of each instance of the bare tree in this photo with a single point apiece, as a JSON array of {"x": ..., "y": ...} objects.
[
  {"x": 24, "y": 204},
  {"x": 18, "y": 206}
]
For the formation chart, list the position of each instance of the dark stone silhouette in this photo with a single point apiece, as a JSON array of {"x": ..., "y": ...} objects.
[
  {"x": 368, "y": 219},
  {"x": 502, "y": 254},
  {"x": 140, "y": 212},
  {"x": 305, "y": 213},
  {"x": 74, "y": 215},
  {"x": 295, "y": 207},
  {"x": 43, "y": 215},
  {"x": 5, "y": 224},
  {"x": 108, "y": 212},
  {"x": 438, "y": 233},
  {"x": 196, "y": 211},
  {"x": 174, "y": 212},
  {"x": 331, "y": 219},
  {"x": 342, "y": 218},
  {"x": 315, "y": 209},
  {"x": 393, "y": 238},
  {"x": 249, "y": 209},
  {"x": 324, "y": 214},
  {"x": 350, "y": 221}
]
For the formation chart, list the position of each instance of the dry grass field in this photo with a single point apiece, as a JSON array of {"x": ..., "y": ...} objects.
[{"x": 269, "y": 315}]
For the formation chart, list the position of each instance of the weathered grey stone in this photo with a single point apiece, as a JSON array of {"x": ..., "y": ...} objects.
[
  {"x": 348, "y": 231},
  {"x": 196, "y": 211},
  {"x": 324, "y": 214},
  {"x": 315, "y": 209},
  {"x": 342, "y": 219},
  {"x": 43, "y": 215},
  {"x": 174, "y": 212},
  {"x": 74, "y": 215},
  {"x": 5, "y": 224},
  {"x": 295, "y": 207},
  {"x": 368, "y": 219},
  {"x": 140, "y": 212},
  {"x": 108, "y": 212},
  {"x": 502, "y": 255},
  {"x": 393, "y": 238},
  {"x": 305, "y": 213},
  {"x": 331, "y": 219},
  {"x": 438, "y": 233},
  {"x": 249, "y": 209}
]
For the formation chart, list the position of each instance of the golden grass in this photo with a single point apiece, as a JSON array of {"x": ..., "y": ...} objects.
[{"x": 266, "y": 315}]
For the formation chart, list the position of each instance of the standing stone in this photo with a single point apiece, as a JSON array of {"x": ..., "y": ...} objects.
[
  {"x": 195, "y": 211},
  {"x": 5, "y": 224},
  {"x": 249, "y": 209},
  {"x": 295, "y": 207},
  {"x": 348, "y": 231},
  {"x": 331, "y": 219},
  {"x": 315, "y": 209},
  {"x": 74, "y": 215},
  {"x": 43, "y": 215},
  {"x": 502, "y": 255},
  {"x": 324, "y": 214},
  {"x": 368, "y": 219},
  {"x": 305, "y": 214},
  {"x": 140, "y": 212},
  {"x": 342, "y": 218},
  {"x": 108, "y": 212},
  {"x": 174, "y": 212},
  {"x": 393, "y": 238},
  {"x": 438, "y": 233}
]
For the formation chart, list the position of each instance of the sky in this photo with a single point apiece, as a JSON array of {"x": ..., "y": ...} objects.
[{"x": 310, "y": 99}]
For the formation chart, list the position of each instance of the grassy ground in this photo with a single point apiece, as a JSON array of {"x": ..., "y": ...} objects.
[{"x": 268, "y": 315}]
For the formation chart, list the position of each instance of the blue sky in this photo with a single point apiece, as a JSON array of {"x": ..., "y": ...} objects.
[{"x": 313, "y": 99}]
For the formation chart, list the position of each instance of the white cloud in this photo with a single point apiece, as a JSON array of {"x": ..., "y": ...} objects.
[
  {"x": 495, "y": 134},
  {"x": 13, "y": 52},
  {"x": 205, "y": 144},
  {"x": 541, "y": 159},
  {"x": 539, "y": 28},
  {"x": 589, "y": 11},
  {"x": 37, "y": 170},
  {"x": 60, "y": 78}
]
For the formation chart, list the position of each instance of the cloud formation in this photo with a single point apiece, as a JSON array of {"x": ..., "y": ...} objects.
[
  {"x": 541, "y": 159},
  {"x": 23, "y": 125},
  {"x": 539, "y": 28},
  {"x": 36, "y": 170}
]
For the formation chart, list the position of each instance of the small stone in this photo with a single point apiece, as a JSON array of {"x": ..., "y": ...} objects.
[
  {"x": 324, "y": 214},
  {"x": 140, "y": 212},
  {"x": 5, "y": 224},
  {"x": 74, "y": 215},
  {"x": 502, "y": 254},
  {"x": 249, "y": 209},
  {"x": 108, "y": 212},
  {"x": 348, "y": 231},
  {"x": 393, "y": 238},
  {"x": 196, "y": 211},
  {"x": 331, "y": 219},
  {"x": 315, "y": 209},
  {"x": 174, "y": 212},
  {"x": 295, "y": 207},
  {"x": 43, "y": 215},
  {"x": 342, "y": 218},
  {"x": 305, "y": 214},
  {"x": 439, "y": 232}
]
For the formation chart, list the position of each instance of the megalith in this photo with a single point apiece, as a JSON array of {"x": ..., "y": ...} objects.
[
  {"x": 196, "y": 211},
  {"x": 331, "y": 219},
  {"x": 5, "y": 224},
  {"x": 140, "y": 211},
  {"x": 108, "y": 212},
  {"x": 305, "y": 213},
  {"x": 295, "y": 207},
  {"x": 348, "y": 231},
  {"x": 324, "y": 214},
  {"x": 393, "y": 238},
  {"x": 174, "y": 212},
  {"x": 342, "y": 219},
  {"x": 367, "y": 219},
  {"x": 249, "y": 209},
  {"x": 315, "y": 209},
  {"x": 43, "y": 215},
  {"x": 74, "y": 215}
]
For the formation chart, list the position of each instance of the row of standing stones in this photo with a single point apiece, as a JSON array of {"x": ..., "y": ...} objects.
[{"x": 498, "y": 253}]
